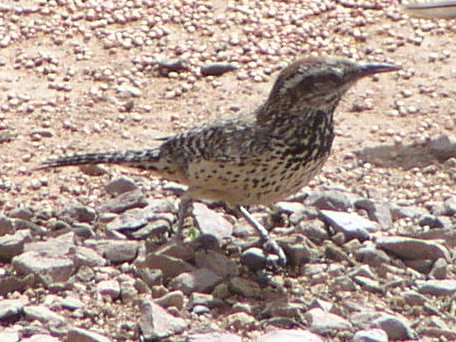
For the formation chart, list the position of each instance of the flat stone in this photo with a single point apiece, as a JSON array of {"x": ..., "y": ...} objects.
[
  {"x": 71, "y": 303},
  {"x": 217, "y": 69},
  {"x": 432, "y": 221},
  {"x": 6, "y": 226},
  {"x": 443, "y": 287},
  {"x": 116, "y": 251},
  {"x": 212, "y": 223},
  {"x": 41, "y": 338},
  {"x": 213, "y": 337},
  {"x": 85, "y": 256},
  {"x": 369, "y": 284},
  {"x": 411, "y": 212},
  {"x": 216, "y": 262},
  {"x": 352, "y": 225},
  {"x": 42, "y": 314},
  {"x": 83, "y": 335},
  {"x": 439, "y": 269},
  {"x": 54, "y": 247},
  {"x": 331, "y": 200},
  {"x": 240, "y": 321},
  {"x": 124, "y": 202},
  {"x": 9, "y": 335},
  {"x": 10, "y": 284},
  {"x": 79, "y": 213},
  {"x": 371, "y": 256},
  {"x": 199, "y": 280},
  {"x": 11, "y": 309},
  {"x": 156, "y": 323},
  {"x": 322, "y": 322},
  {"x": 377, "y": 211},
  {"x": 411, "y": 248},
  {"x": 371, "y": 335},
  {"x": 173, "y": 298},
  {"x": 414, "y": 298},
  {"x": 298, "y": 249},
  {"x": 49, "y": 269},
  {"x": 245, "y": 287},
  {"x": 109, "y": 288},
  {"x": 443, "y": 147},
  {"x": 121, "y": 185},
  {"x": 205, "y": 299},
  {"x": 397, "y": 328},
  {"x": 289, "y": 335},
  {"x": 289, "y": 207},
  {"x": 170, "y": 266},
  {"x": 127, "y": 91},
  {"x": 12, "y": 245}
]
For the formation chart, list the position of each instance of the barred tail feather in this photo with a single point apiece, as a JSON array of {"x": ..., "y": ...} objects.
[{"x": 144, "y": 159}]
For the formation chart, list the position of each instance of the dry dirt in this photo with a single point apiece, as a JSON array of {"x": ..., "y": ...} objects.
[{"x": 62, "y": 62}]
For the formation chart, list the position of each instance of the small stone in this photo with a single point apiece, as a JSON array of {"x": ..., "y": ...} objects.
[
  {"x": 298, "y": 249},
  {"x": 126, "y": 91},
  {"x": 414, "y": 298},
  {"x": 216, "y": 262},
  {"x": 372, "y": 256},
  {"x": 371, "y": 335},
  {"x": 213, "y": 337},
  {"x": 174, "y": 299},
  {"x": 377, "y": 211},
  {"x": 395, "y": 327},
  {"x": 42, "y": 314},
  {"x": 410, "y": 212},
  {"x": 125, "y": 201},
  {"x": 170, "y": 266},
  {"x": 11, "y": 309},
  {"x": 80, "y": 213},
  {"x": 156, "y": 323},
  {"x": 116, "y": 251},
  {"x": 10, "y": 284},
  {"x": 217, "y": 69},
  {"x": 410, "y": 248},
  {"x": 369, "y": 284},
  {"x": 13, "y": 245},
  {"x": 289, "y": 335},
  {"x": 200, "y": 280},
  {"x": 240, "y": 321},
  {"x": 254, "y": 258},
  {"x": 439, "y": 269},
  {"x": 109, "y": 288},
  {"x": 83, "y": 335},
  {"x": 331, "y": 200},
  {"x": 443, "y": 147},
  {"x": 6, "y": 226},
  {"x": 322, "y": 322},
  {"x": 244, "y": 287},
  {"x": 88, "y": 257},
  {"x": 211, "y": 223},
  {"x": 444, "y": 287},
  {"x": 351, "y": 224},
  {"x": 201, "y": 310},
  {"x": 121, "y": 185},
  {"x": 71, "y": 303}
]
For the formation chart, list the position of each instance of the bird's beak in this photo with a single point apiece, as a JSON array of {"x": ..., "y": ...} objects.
[{"x": 376, "y": 68}]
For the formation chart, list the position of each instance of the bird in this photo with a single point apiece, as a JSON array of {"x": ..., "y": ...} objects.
[{"x": 254, "y": 158}]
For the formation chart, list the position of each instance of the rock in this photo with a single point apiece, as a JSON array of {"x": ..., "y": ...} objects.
[
  {"x": 156, "y": 323},
  {"x": 9, "y": 335},
  {"x": 12, "y": 245},
  {"x": 314, "y": 230},
  {"x": 10, "y": 284},
  {"x": 350, "y": 224},
  {"x": 83, "y": 335},
  {"x": 322, "y": 322},
  {"x": 254, "y": 258},
  {"x": 289, "y": 335},
  {"x": 126, "y": 91},
  {"x": 240, "y": 321},
  {"x": 331, "y": 200},
  {"x": 411, "y": 212},
  {"x": 211, "y": 223},
  {"x": 245, "y": 287},
  {"x": 216, "y": 262},
  {"x": 79, "y": 213},
  {"x": 172, "y": 65},
  {"x": 71, "y": 303},
  {"x": 174, "y": 298},
  {"x": 41, "y": 338},
  {"x": 152, "y": 229},
  {"x": 213, "y": 336},
  {"x": 371, "y": 256},
  {"x": 48, "y": 269},
  {"x": 23, "y": 213},
  {"x": 286, "y": 309},
  {"x": 204, "y": 299},
  {"x": 443, "y": 147},
  {"x": 109, "y": 288},
  {"x": 170, "y": 266},
  {"x": 321, "y": 304},
  {"x": 124, "y": 202},
  {"x": 369, "y": 284},
  {"x": 116, "y": 251},
  {"x": 62, "y": 245},
  {"x": 377, "y": 211},
  {"x": 42, "y": 314},
  {"x": 444, "y": 287},
  {"x": 6, "y": 225},
  {"x": 414, "y": 298},
  {"x": 121, "y": 185},
  {"x": 431, "y": 221},
  {"x": 298, "y": 249},
  {"x": 200, "y": 280},
  {"x": 217, "y": 69},
  {"x": 289, "y": 208},
  {"x": 395, "y": 327},
  {"x": 410, "y": 248},
  {"x": 11, "y": 309},
  {"x": 371, "y": 335},
  {"x": 88, "y": 257},
  {"x": 439, "y": 269}
]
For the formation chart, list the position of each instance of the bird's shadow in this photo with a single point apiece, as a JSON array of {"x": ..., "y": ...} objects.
[{"x": 398, "y": 156}]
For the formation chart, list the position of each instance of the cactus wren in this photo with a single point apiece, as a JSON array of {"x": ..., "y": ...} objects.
[{"x": 253, "y": 159}]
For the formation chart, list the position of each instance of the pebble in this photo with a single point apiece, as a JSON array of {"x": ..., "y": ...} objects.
[
  {"x": 240, "y": 321},
  {"x": 11, "y": 309},
  {"x": 377, "y": 211},
  {"x": 211, "y": 223},
  {"x": 156, "y": 323},
  {"x": 218, "y": 263},
  {"x": 83, "y": 335},
  {"x": 371, "y": 335},
  {"x": 121, "y": 185},
  {"x": 397, "y": 328},
  {"x": 410, "y": 248},
  {"x": 123, "y": 202},
  {"x": 109, "y": 288},
  {"x": 42, "y": 314},
  {"x": 200, "y": 280},
  {"x": 289, "y": 335},
  {"x": 13, "y": 245},
  {"x": 352, "y": 225},
  {"x": 322, "y": 322},
  {"x": 170, "y": 266},
  {"x": 331, "y": 200},
  {"x": 443, "y": 147},
  {"x": 217, "y": 69},
  {"x": 254, "y": 258},
  {"x": 6, "y": 226},
  {"x": 413, "y": 298},
  {"x": 439, "y": 269},
  {"x": 174, "y": 298},
  {"x": 245, "y": 287},
  {"x": 440, "y": 287},
  {"x": 126, "y": 91},
  {"x": 116, "y": 251}
]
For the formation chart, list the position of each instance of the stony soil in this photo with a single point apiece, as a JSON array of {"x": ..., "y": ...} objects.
[{"x": 85, "y": 254}]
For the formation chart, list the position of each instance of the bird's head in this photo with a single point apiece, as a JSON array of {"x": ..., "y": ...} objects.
[{"x": 312, "y": 82}]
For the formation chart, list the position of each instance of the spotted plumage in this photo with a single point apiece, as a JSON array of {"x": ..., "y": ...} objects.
[{"x": 256, "y": 158}]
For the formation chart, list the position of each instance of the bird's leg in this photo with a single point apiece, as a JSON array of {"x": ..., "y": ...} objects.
[
  {"x": 184, "y": 206},
  {"x": 269, "y": 244}
]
